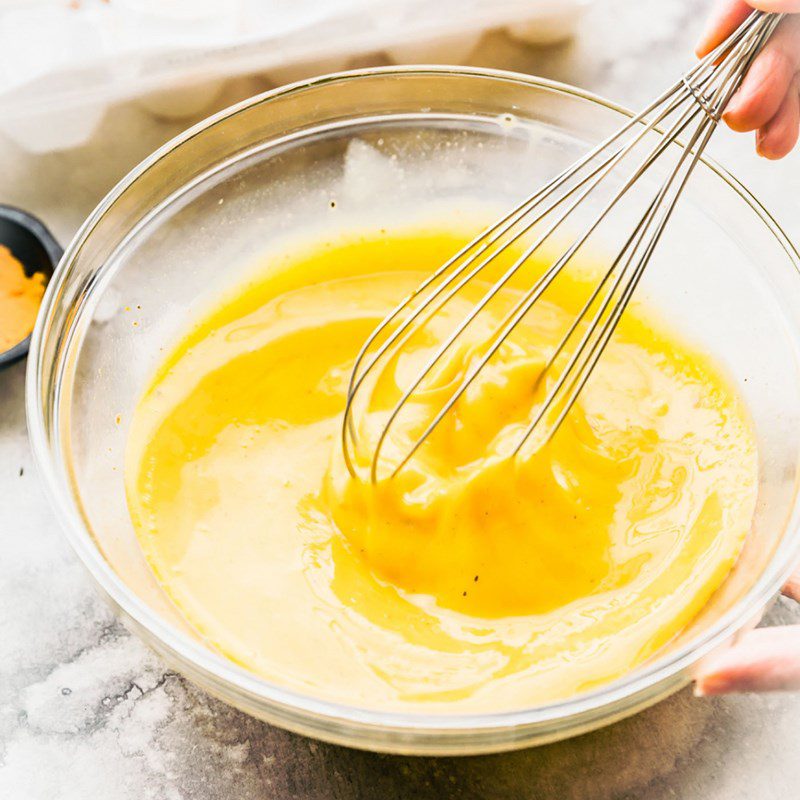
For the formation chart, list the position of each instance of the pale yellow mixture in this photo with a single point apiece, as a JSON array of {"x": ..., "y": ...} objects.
[{"x": 470, "y": 581}]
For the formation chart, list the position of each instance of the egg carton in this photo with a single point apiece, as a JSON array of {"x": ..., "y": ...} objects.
[{"x": 64, "y": 62}]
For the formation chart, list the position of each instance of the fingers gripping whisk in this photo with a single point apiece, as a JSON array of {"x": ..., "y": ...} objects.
[{"x": 638, "y": 173}]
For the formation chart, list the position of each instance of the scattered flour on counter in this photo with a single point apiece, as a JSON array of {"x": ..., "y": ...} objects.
[
  {"x": 112, "y": 724},
  {"x": 76, "y": 695}
]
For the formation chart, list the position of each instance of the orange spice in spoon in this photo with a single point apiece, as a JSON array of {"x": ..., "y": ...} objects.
[{"x": 20, "y": 296}]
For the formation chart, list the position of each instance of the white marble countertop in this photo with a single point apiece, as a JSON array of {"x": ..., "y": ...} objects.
[{"x": 86, "y": 711}]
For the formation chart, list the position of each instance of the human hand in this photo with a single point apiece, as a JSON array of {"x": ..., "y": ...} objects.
[
  {"x": 768, "y": 101},
  {"x": 763, "y": 660}
]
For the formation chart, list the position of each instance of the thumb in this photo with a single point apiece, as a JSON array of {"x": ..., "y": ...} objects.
[{"x": 764, "y": 660}]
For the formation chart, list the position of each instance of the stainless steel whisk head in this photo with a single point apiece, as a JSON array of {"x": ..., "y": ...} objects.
[{"x": 692, "y": 106}]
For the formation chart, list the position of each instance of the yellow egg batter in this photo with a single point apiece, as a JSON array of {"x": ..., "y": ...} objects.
[{"x": 470, "y": 581}]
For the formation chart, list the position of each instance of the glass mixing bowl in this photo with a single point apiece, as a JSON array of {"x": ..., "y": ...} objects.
[{"x": 365, "y": 148}]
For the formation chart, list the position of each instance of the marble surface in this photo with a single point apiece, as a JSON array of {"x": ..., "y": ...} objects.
[{"x": 86, "y": 711}]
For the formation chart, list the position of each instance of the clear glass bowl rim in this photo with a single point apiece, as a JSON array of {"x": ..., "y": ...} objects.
[{"x": 216, "y": 667}]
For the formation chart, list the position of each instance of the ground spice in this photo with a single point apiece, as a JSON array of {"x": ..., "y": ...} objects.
[{"x": 20, "y": 297}]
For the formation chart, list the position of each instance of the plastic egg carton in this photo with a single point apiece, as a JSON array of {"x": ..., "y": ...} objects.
[{"x": 64, "y": 62}]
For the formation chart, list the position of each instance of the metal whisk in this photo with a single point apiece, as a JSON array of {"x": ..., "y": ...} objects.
[{"x": 693, "y": 106}]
